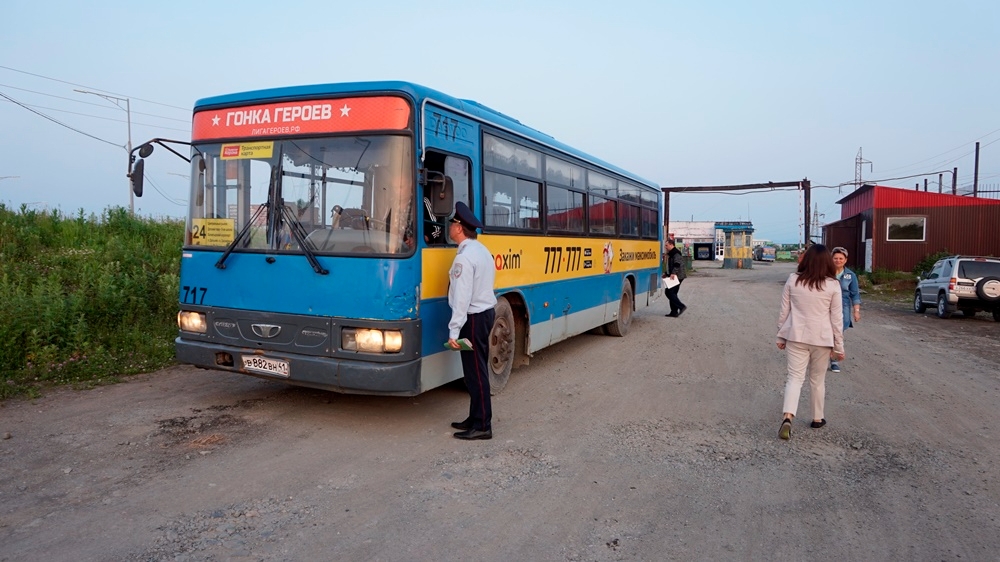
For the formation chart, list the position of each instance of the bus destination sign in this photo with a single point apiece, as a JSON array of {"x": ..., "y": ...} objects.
[{"x": 302, "y": 118}]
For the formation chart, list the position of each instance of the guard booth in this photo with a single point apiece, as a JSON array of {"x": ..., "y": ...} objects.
[{"x": 738, "y": 248}]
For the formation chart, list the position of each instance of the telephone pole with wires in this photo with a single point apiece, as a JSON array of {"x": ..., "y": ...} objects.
[
  {"x": 859, "y": 164},
  {"x": 128, "y": 147}
]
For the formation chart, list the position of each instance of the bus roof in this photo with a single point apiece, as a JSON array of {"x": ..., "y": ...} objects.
[{"x": 418, "y": 93}]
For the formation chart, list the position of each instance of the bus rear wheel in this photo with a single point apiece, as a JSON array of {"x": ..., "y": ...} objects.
[
  {"x": 619, "y": 326},
  {"x": 501, "y": 359}
]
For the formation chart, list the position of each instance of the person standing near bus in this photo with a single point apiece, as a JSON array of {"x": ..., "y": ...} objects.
[
  {"x": 675, "y": 271},
  {"x": 471, "y": 298}
]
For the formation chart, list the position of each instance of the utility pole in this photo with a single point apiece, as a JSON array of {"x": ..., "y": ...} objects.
[
  {"x": 859, "y": 164},
  {"x": 128, "y": 147},
  {"x": 975, "y": 176}
]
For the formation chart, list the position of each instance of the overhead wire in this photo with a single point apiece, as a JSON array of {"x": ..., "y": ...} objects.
[
  {"x": 107, "y": 118},
  {"x": 90, "y": 87},
  {"x": 56, "y": 121},
  {"x": 101, "y": 105}
]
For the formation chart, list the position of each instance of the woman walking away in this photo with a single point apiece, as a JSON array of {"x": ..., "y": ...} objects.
[
  {"x": 851, "y": 296},
  {"x": 811, "y": 329}
]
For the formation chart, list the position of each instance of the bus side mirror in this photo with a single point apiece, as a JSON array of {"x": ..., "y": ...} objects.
[
  {"x": 135, "y": 177},
  {"x": 199, "y": 167}
]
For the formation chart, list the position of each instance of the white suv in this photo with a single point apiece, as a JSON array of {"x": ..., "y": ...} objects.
[{"x": 966, "y": 283}]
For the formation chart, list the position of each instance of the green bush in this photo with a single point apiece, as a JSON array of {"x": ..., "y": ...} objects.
[
  {"x": 929, "y": 260},
  {"x": 882, "y": 276},
  {"x": 84, "y": 299}
]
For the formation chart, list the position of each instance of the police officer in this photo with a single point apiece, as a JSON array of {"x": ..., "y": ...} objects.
[{"x": 471, "y": 298}]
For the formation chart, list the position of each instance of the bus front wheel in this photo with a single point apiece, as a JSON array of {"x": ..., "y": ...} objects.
[
  {"x": 501, "y": 346},
  {"x": 619, "y": 326}
]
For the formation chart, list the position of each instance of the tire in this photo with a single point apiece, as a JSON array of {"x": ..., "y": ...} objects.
[
  {"x": 942, "y": 307},
  {"x": 988, "y": 289},
  {"x": 619, "y": 326},
  {"x": 918, "y": 303},
  {"x": 502, "y": 337}
]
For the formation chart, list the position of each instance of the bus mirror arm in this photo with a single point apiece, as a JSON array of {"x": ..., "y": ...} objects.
[
  {"x": 425, "y": 176},
  {"x": 146, "y": 148},
  {"x": 136, "y": 169}
]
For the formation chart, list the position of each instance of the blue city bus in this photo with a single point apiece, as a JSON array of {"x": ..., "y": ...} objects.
[{"x": 316, "y": 251}]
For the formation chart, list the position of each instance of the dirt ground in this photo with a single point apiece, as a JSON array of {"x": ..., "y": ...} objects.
[{"x": 658, "y": 446}]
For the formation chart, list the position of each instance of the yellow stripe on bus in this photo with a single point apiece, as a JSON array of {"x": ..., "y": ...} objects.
[{"x": 523, "y": 260}]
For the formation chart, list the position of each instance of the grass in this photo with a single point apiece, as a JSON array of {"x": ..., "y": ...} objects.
[
  {"x": 887, "y": 286},
  {"x": 84, "y": 299}
]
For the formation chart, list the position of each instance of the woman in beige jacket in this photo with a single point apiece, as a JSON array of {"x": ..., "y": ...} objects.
[{"x": 811, "y": 330}]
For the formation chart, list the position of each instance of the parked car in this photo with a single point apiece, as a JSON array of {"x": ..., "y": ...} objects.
[{"x": 960, "y": 283}]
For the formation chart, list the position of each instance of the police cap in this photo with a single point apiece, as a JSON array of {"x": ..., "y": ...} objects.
[{"x": 463, "y": 214}]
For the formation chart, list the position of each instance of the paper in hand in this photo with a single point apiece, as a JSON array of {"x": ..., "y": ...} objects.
[
  {"x": 463, "y": 345},
  {"x": 670, "y": 282}
]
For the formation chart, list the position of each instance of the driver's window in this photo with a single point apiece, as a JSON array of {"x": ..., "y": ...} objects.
[{"x": 448, "y": 182}]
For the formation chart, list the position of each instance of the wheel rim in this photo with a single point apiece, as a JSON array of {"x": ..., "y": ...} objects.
[
  {"x": 625, "y": 311},
  {"x": 941, "y": 307},
  {"x": 917, "y": 301},
  {"x": 501, "y": 345}
]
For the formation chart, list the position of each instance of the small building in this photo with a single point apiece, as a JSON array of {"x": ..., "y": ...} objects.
[
  {"x": 737, "y": 244},
  {"x": 695, "y": 239},
  {"x": 892, "y": 228}
]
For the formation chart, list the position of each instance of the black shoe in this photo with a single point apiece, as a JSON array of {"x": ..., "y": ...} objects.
[
  {"x": 673, "y": 315},
  {"x": 681, "y": 310},
  {"x": 475, "y": 434},
  {"x": 818, "y": 424},
  {"x": 786, "y": 429},
  {"x": 463, "y": 425}
]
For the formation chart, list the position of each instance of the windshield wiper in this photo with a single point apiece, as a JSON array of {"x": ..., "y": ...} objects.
[
  {"x": 299, "y": 233},
  {"x": 274, "y": 221},
  {"x": 221, "y": 264}
]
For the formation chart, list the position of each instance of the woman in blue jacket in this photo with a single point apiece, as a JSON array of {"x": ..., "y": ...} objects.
[{"x": 849, "y": 293}]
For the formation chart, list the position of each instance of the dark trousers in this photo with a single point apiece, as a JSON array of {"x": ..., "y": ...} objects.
[
  {"x": 474, "y": 366},
  {"x": 675, "y": 303}
]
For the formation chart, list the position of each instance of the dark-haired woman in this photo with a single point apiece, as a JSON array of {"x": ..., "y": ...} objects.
[{"x": 811, "y": 330}]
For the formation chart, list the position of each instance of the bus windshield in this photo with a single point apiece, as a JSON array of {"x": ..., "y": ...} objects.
[{"x": 343, "y": 195}]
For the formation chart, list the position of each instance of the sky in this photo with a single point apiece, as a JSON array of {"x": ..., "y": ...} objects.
[{"x": 681, "y": 93}]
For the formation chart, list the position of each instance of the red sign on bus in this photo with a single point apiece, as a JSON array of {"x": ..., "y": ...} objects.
[{"x": 302, "y": 117}]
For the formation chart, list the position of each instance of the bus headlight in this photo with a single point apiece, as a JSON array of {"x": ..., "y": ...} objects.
[
  {"x": 371, "y": 341},
  {"x": 192, "y": 321}
]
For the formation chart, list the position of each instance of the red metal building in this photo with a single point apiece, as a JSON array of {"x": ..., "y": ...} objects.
[{"x": 892, "y": 228}]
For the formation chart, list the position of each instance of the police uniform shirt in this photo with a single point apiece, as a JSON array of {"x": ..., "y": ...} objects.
[{"x": 470, "y": 288}]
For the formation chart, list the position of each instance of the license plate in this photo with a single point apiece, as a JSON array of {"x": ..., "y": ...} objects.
[{"x": 261, "y": 364}]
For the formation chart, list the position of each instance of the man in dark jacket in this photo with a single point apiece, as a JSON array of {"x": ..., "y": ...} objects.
[{"x": 674, "y": 275}]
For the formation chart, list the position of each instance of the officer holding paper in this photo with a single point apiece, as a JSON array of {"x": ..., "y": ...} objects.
[{"x": 471, "y": 298}]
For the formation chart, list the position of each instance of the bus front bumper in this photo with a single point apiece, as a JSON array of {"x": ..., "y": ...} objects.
[{"x": 326, "y": 373}]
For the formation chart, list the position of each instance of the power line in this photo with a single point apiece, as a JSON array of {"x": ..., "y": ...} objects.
[
  {"x": 91, "y": 103},
  {"x": 946, "y": 152},
  {"x": 57, "y": 121},
  {"x": 90, "y": 87},
  {"x": 179, "y": 203},
  {"x": 106, "y": 118}
]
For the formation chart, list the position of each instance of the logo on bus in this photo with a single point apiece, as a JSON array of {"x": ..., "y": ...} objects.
[
  {"x": 609, "y": 256},
  {"x": 509, "y": 260}
]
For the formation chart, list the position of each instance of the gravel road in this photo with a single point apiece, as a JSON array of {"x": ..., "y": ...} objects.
[{"x": 658, "y": 446}]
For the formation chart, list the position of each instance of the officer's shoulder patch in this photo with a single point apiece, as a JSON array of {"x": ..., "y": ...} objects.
[{"x": 456, "y": 270}]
